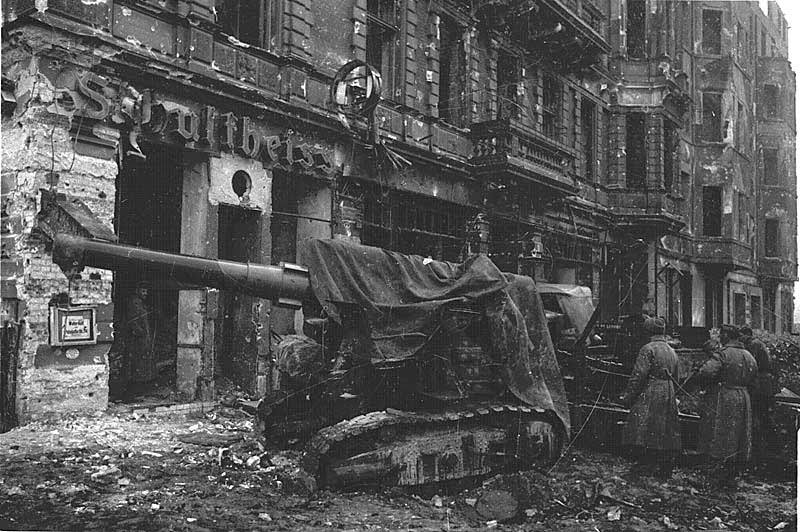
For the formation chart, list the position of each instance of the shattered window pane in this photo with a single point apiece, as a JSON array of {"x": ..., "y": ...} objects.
[
  {"x": 452, "y": 73},
  {"x": 254, "y": 22},
  {"x": 382, "y": 30},
  {"x": 551, "y": 106}
]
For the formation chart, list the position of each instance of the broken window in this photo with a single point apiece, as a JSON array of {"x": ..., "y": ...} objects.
[
  {"x": 712, "y": 211},
  {"x": 670, "y": 153},
  {"x": 637, "y": 42},
  {"x": 742, "y": 229},
  {"x": 382, "y": 29},
  {"x": 741, "y": 127},
  {"x": 771, "y": 100},
  {"x": 551, "y": 106},
  {"x": 771, "y": 176},
  {"x": 507, "y": 85},
  {"x": 588, "y": 111},
  {"x": 771, "y": 237},
  {"x": 255, "y": 22},
  {"x": 755, "y": 312},
  {"x": 712, "y": 31},
  {"x": 452, "y": 73},
  {"x": 412, "y": 223},
  {"x": 711, "y": 128},
  {"x": 635, "y": 149},
  {"x": 739, "y": 309}
]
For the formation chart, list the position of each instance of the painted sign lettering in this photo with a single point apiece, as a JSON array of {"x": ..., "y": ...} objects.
[{"x": 205, "y": 129}]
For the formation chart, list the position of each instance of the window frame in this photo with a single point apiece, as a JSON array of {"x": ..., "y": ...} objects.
[
  {"x": 389, "y": 30},
  {"x": 776, "y": 180},
  {"x": 552, "y": 100},
  {"x": 712, "y": 227},
  {"x": 772, "y": 107},
  {"x": 706, "y": 125},
  {"x": 711, "y": 46},
  {"x": 268, "y": 21},
  {"x": 772, "y": 245},
  {"x": 641, "y": 166}
]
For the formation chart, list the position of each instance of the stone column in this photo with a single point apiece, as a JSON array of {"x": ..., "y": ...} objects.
[{"x": 195, "y": 357}]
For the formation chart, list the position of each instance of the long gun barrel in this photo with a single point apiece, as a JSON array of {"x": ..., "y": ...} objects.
[{"x": 287, "y": 282}]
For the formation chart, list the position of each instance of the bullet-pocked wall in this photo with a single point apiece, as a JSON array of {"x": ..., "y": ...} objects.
[{"x": 48, "y": 181}]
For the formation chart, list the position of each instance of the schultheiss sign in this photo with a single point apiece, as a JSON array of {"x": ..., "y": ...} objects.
[{"x": 205, "y": 129}]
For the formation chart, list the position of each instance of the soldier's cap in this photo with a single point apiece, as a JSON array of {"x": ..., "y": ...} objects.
[
  {"x": 746, "y": 331},
  {"x": 655, "y": 325},
  {"x": 144, "y": 284},
  {"x": 730, "y": 331}
]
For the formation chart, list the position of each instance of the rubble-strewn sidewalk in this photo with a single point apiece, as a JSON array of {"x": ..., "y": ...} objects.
[{"x": 207, "y": 471}]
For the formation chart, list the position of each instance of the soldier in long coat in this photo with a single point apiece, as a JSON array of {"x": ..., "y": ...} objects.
[
  {"x": 762, "y": 391},
  {"x": 726, "y": 421},
  {"x": 139, "y": 341},
  {"x": 652, "y": 426}
]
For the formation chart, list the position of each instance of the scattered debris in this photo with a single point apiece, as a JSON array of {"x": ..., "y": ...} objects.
[{"x": 498, "y": 505}]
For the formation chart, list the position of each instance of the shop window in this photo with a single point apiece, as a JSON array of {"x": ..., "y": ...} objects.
[
  {"x": 670, "y": 153},
  {"x": 635, "y": 149},
  {"x": 755, "y": 312},
  {"x": 711, "y": 128},
  {"x": 414, "y": 224},
  {"x": 739, "y": 309},
  {"x": 452, "y": 73},
  {"x": 255, "y": 22},
  {"x": 771, "y": 101},
  {"x": 551, "y": 106},
  {"x": 771, "y": 237},
  {"x": 712, "y": 211},
  {"x": 588, "y": 112},
  {"x": 712, "y": 31},
  {"x": 771, "y": 176},
  {"x": 383, "y": 27},
  {"x": 637, "y": 42}
]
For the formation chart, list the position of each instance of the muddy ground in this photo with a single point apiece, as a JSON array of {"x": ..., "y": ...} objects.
[{"x": 206, "y": 471}]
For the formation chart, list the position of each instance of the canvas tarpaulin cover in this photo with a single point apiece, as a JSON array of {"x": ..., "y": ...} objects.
[{"x": 400, "y": 300}]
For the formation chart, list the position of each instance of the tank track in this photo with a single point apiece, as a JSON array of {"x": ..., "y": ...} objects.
[{"x": 393, "y": 447}]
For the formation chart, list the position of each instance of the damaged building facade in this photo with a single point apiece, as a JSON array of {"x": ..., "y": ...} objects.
[{"x": 554, "y": 135}]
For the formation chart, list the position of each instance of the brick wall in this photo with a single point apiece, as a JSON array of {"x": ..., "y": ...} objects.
[{"x": 38, "y": 153}]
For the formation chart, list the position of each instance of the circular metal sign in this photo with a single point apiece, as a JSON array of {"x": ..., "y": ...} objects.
[{"x": 356, "y": 88}]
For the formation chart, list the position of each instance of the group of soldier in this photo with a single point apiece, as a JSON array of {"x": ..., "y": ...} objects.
[{"x": 739, "y": 389}]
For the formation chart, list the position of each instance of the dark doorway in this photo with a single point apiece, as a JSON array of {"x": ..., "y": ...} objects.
[
  {"x": 237, "y": 351},
  {"x": 686, "y": 299},
  {"x": 148, "y": 215},
  {"x": 713, "y": 303}
]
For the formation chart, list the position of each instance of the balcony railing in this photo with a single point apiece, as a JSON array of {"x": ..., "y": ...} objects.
[
  {"x": 580, "y": 18},
  {"x": 777, "y": 268},
  {"x": 723, "y": 251},
  {"x": 508, "y": 146}
]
